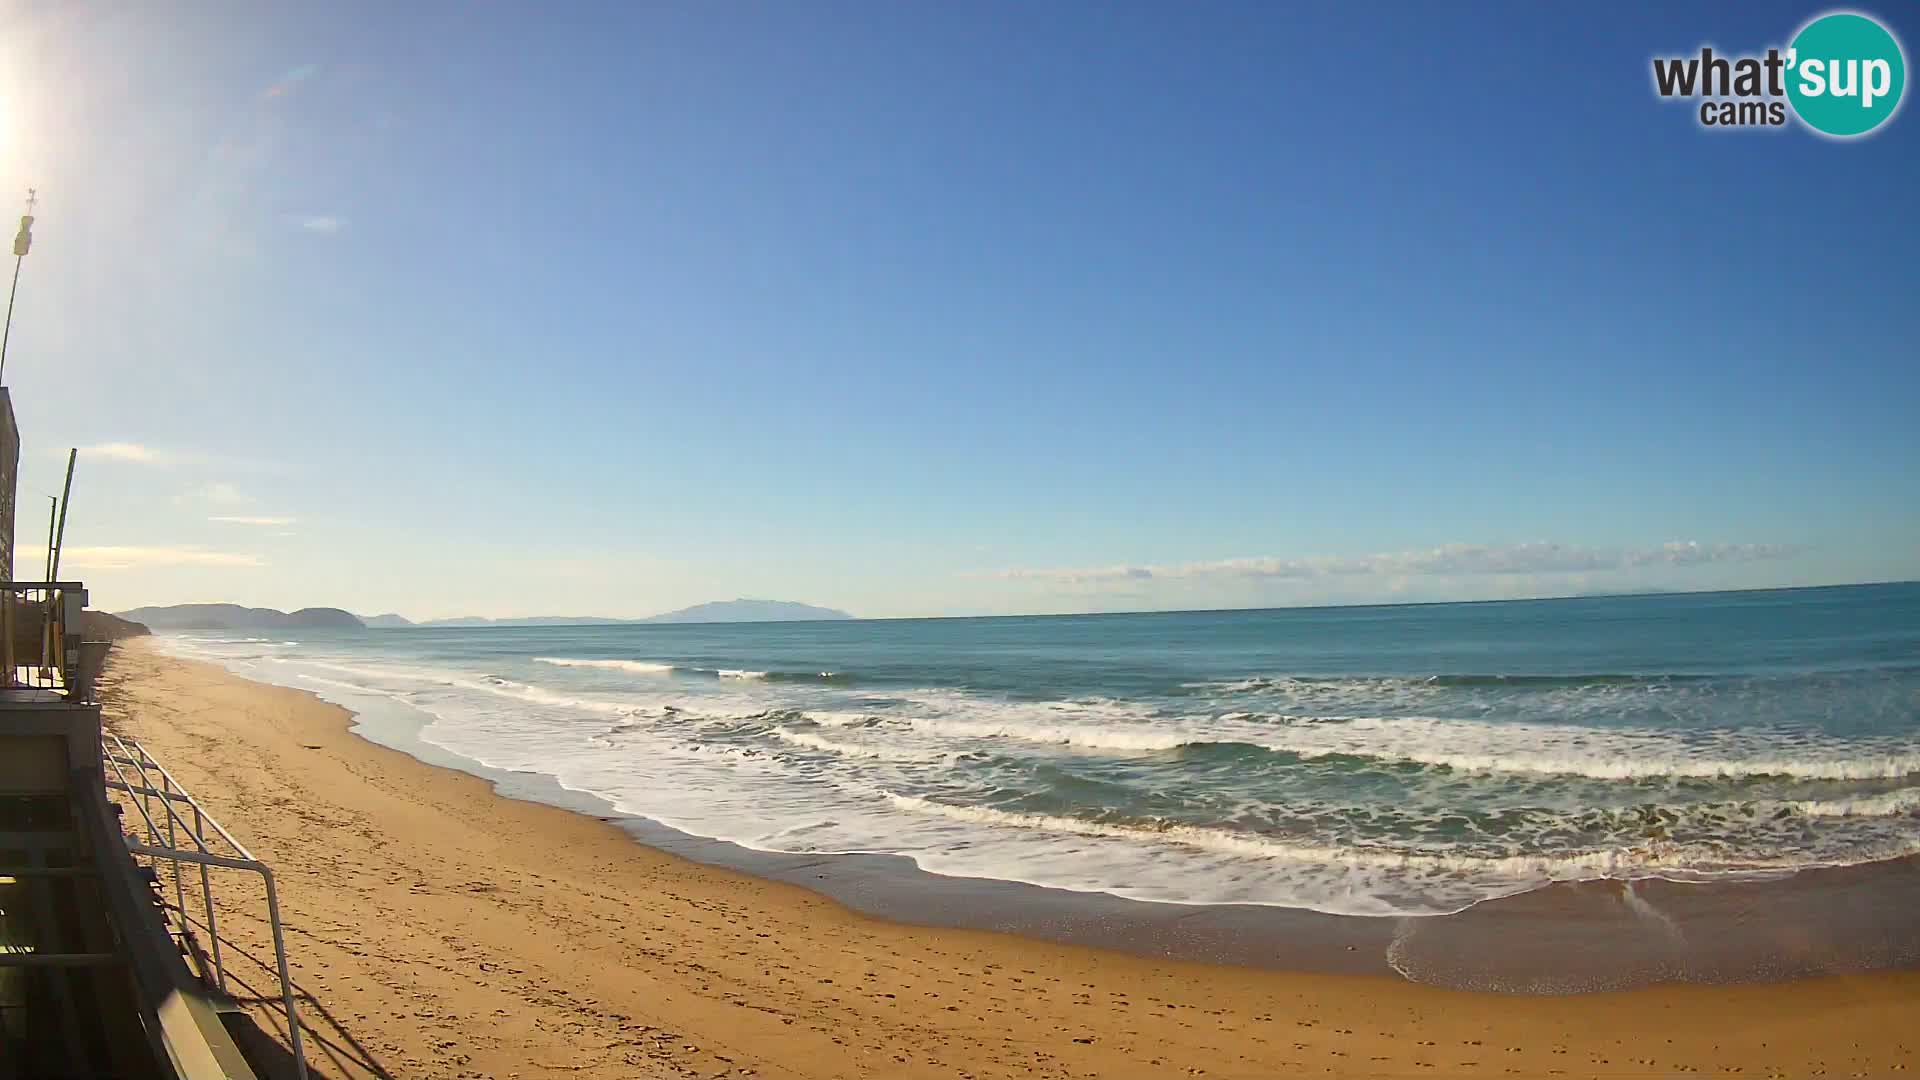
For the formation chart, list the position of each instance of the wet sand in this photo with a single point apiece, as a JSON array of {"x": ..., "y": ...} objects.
[
  {"x": 1575, "y": 937},
  {"x": 438, "y": 929}
]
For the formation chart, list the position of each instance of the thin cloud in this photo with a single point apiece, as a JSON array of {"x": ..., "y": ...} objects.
[
  {"x": 289, "y": 82},
  {"x": 323, "y": 224},
  {"x": 133, "y": 453},
  {"x": 234, "y": 519},
  {"x": 126, "y": 451},
  {"x": 221, "y": 492},
  {"x": 1081, "y": 575},
  {"x": 1452, "y": 560},
  {"x": 116, "y": 557}
]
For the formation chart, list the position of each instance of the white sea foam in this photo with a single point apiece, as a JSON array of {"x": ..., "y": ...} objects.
[
  {"x": 1645, "y": 859},
  {"x": 1471, "y": 745},
  {"x": 1090, "y": 737},
  {"x": 377, "y": 677},
  {"x": 872, "y": 751},
  {"x": 1886, "y": 804},
  {"x": 841, "y": 717},
  {"x": 795, "y": 765},
  {"x": 641, "y": 667},
  {"x": 349, "y": 687},
  {"x": 1598, "y": 753},
  {"x": 1640, "y": 906}
]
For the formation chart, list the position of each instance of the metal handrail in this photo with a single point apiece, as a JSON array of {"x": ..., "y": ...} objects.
[
  {"x": 169, "y": 792},
  {"x": 200, "y": 816},
  {"x": 153, "y": 835}
]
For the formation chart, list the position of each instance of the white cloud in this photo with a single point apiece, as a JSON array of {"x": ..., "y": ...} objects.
[
  {"x": 324, "y": 224},
  {"x": 133, "y": 453},
  {"x": 223, "y": 493},
  {"x": 113, "y": 557},
  {"x": 1084, "y": 575},
  {"x": 233, "y": 519},
  {"x": 1447, "y": 561},
  {"x": 126, "y": 451}
]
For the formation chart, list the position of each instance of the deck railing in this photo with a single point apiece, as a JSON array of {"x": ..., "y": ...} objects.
[
  {"x": 41, "y": 644},
  {"x": 170, "y": 837}
]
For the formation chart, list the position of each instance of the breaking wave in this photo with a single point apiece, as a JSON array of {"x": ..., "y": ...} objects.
[
  {"x": 1649, "y": 858},
  {"x": 1468, "y": 746},
  {"x": 642, "y": 667},
  {"x": 1172, "y": 774}
]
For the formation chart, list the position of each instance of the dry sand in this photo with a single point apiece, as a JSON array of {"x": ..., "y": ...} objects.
[{"x": 439, "y": 930}]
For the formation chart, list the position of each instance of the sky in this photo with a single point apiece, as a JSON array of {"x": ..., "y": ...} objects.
[{"x": 915, "y": 309}]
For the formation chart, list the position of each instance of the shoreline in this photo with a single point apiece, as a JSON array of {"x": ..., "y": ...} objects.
[
  {"x": 789, "y": 976},
  {"x": 1578, "y": 936}
]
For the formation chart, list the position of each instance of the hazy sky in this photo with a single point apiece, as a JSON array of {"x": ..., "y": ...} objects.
[{"x": 945, "y": 309}]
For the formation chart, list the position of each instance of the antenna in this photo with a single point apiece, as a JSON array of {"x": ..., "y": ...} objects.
[
  {"x": 60, "y": 540},
  {"x": 22, "y": 243},
  {"x": 51, "y": 511}
]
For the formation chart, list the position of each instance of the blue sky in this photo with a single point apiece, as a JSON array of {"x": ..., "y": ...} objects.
[{"x": 918, "y": 309}]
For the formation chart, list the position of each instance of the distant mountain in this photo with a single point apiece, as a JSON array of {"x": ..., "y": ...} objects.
[
  {"x": 537, "y": 620},
  {"x": 744, "y": 610},
  {"x": 101, "y": 626},
  {"x": 719, "y": 611},
  {"x": 235, "y": 617}
]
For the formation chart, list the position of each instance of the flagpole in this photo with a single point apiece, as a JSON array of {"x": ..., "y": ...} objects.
[{"x": 20, "y": 244}]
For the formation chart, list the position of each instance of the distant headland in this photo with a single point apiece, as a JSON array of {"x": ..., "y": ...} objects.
[{"x": 236, "y": 617}]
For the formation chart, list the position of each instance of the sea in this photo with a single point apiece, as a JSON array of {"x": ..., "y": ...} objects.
[{"x": 1367, "y": 761}]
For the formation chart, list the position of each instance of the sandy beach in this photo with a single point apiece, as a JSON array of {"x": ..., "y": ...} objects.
[{"x": 437, "y": 929}]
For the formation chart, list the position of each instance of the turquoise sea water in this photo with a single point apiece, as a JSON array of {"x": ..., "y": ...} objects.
[{"x": 1374, "y": 761}]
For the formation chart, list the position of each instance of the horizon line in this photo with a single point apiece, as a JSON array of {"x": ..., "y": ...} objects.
[{"x": 638, "y": 619}]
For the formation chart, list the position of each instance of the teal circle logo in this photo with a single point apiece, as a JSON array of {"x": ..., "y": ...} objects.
[{"x": 1845, "y": 74}]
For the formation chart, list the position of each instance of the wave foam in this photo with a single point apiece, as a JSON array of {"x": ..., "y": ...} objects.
[
  {"x": 1649, "y": 858},
  {"x": 1469, "y": 746},
  {"x": 812, "y": 741},
  {"x": 1086, "y": 737},
  {"x": 487, "y": 684},
  {"x": 1597, "y": 753},
  {"x": 1360, "y": 804},
  {"x": 1885, "y": 804},
  {"x": 643, "y": 667}
]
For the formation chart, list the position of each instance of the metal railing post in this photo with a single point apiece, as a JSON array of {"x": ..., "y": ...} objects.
[
  {"x": 273, "y": 920},
  {"x": 169, "y": 792},
  {"x": 286, "y": 981},
  {"x": 179, "y": 894},
  {"x": 146, "y": 811},
  {"x": 206, "y": 897}
]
